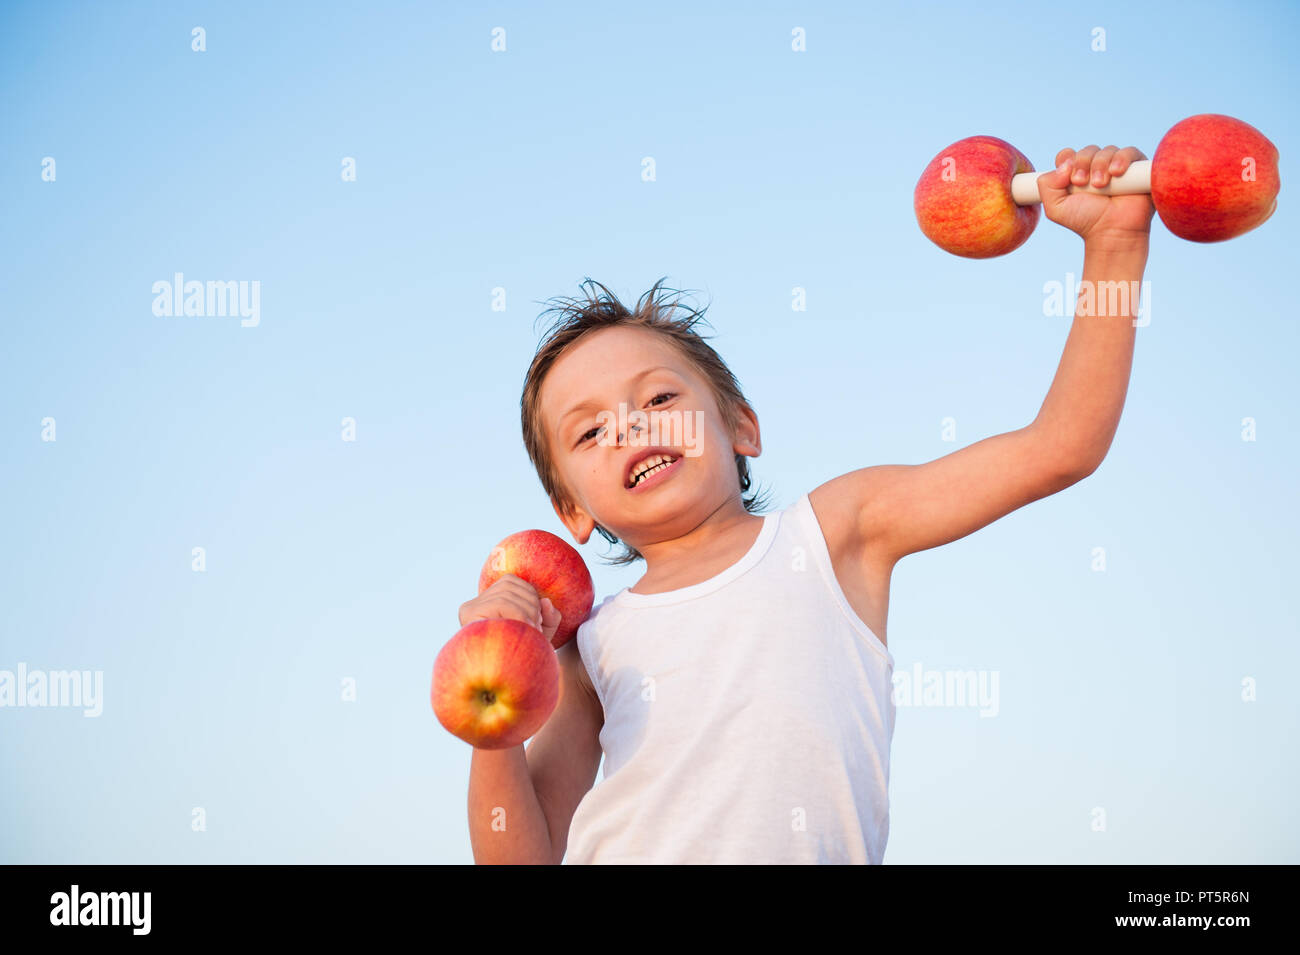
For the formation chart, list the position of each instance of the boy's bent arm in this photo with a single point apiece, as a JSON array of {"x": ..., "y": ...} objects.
[
  {"x": 565, "y": 754},
  {"x": 506, "y": 822},
  {"x": 898, "y": 509},
  {"x": 892, "y": 510},
  {"x": 521, "y": 803}
]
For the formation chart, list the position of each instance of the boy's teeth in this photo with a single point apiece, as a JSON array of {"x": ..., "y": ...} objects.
[{"x": 649, "y": 471}]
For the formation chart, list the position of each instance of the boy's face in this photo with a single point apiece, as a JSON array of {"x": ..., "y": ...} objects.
[{"x": 580, "y": 399}]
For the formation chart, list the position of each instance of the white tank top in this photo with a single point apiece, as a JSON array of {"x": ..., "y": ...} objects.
[{"x": 748, "y": 718}]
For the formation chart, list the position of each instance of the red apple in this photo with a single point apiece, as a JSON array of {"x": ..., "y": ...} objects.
[
  {"x": 553, "y": 567},
  {"x": 963, "y": 199},
  {"x": 1214, "y": 177},
  {"x": 495, "y": 683}
]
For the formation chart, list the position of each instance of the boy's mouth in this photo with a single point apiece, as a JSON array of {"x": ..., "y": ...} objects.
[{"x": 648, "y": 466}]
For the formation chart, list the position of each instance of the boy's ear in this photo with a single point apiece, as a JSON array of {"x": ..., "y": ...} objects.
[
  {"x": 748, "y": 440},
  {"x": 578, "y": 523}
]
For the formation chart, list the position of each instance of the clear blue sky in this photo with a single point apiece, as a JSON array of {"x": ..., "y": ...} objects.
[{"x": 521, "y": 170}]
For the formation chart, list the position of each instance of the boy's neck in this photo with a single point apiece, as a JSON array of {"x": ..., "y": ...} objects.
[{"x": 719, "y": 541}]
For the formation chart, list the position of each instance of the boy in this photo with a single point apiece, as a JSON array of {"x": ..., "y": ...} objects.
[{"x": 741, "y": 689}]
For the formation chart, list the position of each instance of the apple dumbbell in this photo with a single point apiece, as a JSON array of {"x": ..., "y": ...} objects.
[
  {"x": 497, "y": 681},
  {"x": 1212, "y": 178}
]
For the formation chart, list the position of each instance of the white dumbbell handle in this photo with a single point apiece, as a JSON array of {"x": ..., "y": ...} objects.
[{"x": 1135, "y": 181}]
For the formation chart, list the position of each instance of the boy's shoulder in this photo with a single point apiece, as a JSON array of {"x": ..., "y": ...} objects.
[
  {"x": 598, "y": 610},
  {"x": 841, "y": 507}
]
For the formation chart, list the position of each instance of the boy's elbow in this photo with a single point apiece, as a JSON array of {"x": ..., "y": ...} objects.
[
  {"x": 1083, "y": 469},
  {"x": 1094, "y": 464}
]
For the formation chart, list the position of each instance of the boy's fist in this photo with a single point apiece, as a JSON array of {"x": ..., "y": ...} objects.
[
  {"x": 512, "y": 598},
  {"x": 554, "y": 569},
  {"x": 1115, "y": 220}
]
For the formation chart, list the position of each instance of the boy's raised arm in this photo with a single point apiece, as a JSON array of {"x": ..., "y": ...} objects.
[{"x": 897, "y": 510}]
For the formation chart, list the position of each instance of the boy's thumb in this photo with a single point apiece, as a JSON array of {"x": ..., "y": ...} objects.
[{"x": 1054, "y": 185}]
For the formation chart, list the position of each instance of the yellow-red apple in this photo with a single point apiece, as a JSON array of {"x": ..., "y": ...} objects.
[
  {"x": 495, "y": 683},
  {"x": 1214, "y": 177},
  {"x": 963, "y": 199}
]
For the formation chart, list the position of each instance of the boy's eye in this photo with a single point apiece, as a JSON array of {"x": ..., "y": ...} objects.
[{"x": 593, "y": 431}]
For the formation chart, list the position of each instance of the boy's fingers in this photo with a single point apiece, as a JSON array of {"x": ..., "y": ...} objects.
[
  {"x": 511, "y": 607},
  {"x": 504, "y": 607},
  {"x": 1082, "y": 165},
  {"x": 1123, "y": 158},
  {"x": 549, "y": 614},
  {"x": 1101, "y": 163},
  {"x": 529, "y": 611}
]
